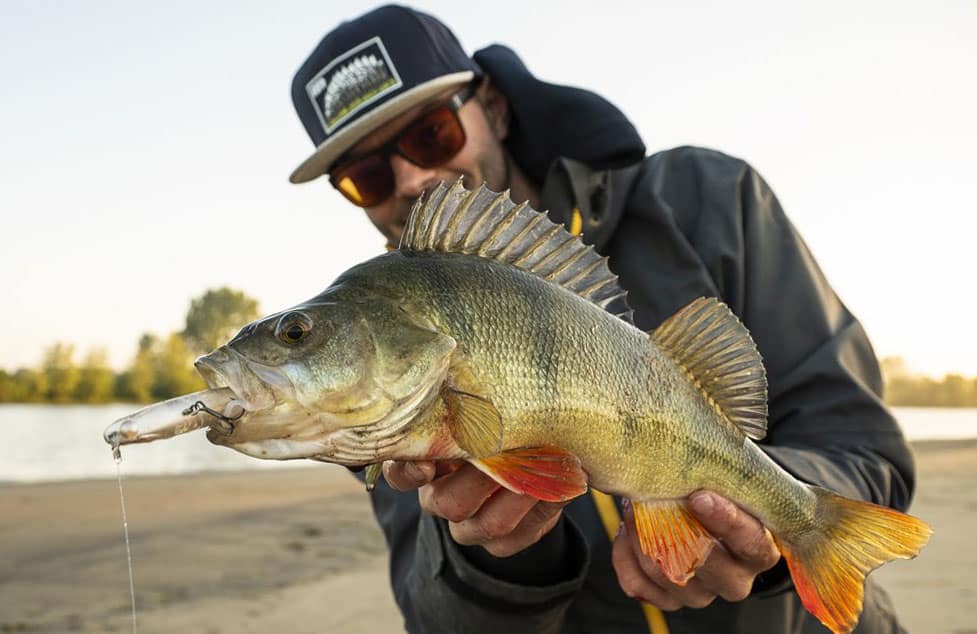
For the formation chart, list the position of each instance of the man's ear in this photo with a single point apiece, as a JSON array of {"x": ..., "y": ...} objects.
[{"x": 496, "y": 107}]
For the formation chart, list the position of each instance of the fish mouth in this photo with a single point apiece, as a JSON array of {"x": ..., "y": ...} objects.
[
  {"x": 272, "y": 412},
  {"x": 237, "y": 389},
  {"x": 256, "y": 386}
]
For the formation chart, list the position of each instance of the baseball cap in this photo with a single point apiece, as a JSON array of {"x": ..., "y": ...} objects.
[{"x": 366, "y": 72}]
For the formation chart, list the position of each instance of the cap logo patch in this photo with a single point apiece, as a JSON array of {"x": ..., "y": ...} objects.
[{"x": 351, "y": 82}]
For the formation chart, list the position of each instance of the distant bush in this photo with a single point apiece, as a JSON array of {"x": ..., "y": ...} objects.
[{"x": 906, "y": 389}]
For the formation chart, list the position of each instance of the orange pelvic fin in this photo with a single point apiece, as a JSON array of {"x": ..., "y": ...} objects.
[
  {"x": 829, "y": 565},
  {"x": 547, "y": 473},
  {"x": 673, "y": 537}
]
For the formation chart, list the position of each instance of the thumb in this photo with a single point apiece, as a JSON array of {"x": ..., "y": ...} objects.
[{"x": 409, "y": 475}]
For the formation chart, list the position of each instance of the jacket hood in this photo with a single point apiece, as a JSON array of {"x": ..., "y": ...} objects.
[
  {"x": 549, "y": 121},
  {"x": 579, "y": 147}
]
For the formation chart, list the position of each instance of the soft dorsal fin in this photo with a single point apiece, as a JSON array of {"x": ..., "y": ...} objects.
[
  {"x": 707, "y": 340},
  {"x": 487, "y": 224}
]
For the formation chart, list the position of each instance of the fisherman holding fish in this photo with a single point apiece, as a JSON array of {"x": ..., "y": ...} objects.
[
  {"x": 394, "y": 106},
  {"x": 494, "y": 365}
]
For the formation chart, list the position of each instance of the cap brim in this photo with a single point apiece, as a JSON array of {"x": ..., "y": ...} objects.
[{"x": 334, "y": 147}]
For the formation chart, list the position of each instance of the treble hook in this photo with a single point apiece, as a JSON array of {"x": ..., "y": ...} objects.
[{"x": 226, "y": 423}]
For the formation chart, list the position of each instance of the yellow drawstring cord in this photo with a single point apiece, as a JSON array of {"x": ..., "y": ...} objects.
[
  {"x": 609, "y": 516},
  {"x": 576, "y": 222},
  {"x": 611, "y": 519}
]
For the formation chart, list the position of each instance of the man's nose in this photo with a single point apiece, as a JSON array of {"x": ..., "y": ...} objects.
[{"x": 411, "y": 180}]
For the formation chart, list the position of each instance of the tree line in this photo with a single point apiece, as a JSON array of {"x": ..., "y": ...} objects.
[
  {"x": 907, "y": 389},
  {"x": 161, "y": 368}
]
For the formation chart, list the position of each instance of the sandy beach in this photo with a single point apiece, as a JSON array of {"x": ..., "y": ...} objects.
[{"x": 296, "y": 550}]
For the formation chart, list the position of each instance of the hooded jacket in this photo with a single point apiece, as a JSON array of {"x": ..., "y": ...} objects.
[{"x": 677, "y": 225}]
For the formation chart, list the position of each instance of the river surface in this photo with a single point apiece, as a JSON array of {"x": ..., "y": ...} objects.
[{"x": 64, "y": 442}]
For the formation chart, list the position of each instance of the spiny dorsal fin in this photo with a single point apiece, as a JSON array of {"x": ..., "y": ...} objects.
[
  {"x": 487, "y": 224},
  {"x": 707, "y": 340}
]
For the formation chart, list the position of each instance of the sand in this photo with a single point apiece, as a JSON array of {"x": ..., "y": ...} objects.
[{"x": 296, "y": 550}]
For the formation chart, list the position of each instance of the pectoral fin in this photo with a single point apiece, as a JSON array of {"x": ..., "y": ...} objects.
[
  {"x": 474, "y": 422},
  {"x": 670, "y": 534},
  {"x": 550, "y": 474}
]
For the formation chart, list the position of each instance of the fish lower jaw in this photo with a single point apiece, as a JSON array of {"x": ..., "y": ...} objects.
[
  {"x": 317, "y": 448},
  {"x": 299, "y": 438},
  {"x": 351, "y": 450},
  {"x": 290, "y": 432},
  {"x": 279, "y": 448}
]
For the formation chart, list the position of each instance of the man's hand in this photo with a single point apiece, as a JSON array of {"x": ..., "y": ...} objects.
[
  {"x": 478, "y": 510},
  {"x": 745, "y": 550}
]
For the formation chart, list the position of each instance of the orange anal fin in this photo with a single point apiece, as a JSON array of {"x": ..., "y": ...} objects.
[
  {"x": 829, "y": 566},
  {"x": 673, "y": 537},
  {"x": 547, "y": 473}
]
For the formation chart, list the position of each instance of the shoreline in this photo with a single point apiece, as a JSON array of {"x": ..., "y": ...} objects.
[
  {"x": 923, "y": 445},
  {"x": 297, "y": 550}
]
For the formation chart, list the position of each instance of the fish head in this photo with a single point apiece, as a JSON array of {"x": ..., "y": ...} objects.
[
  {"x": 315, "y": 376},
  {"x": 310, "y": 355}
]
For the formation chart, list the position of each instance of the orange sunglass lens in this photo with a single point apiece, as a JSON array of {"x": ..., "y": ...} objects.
[
  {"x": 366, "y": 182},
  {"x": 434, "y": 139}
]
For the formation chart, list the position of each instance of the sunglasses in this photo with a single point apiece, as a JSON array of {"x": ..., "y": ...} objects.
[{"x": 430, "y": 140}]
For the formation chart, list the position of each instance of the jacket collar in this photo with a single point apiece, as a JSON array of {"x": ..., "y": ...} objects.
[{"x": 598, "y": 195}]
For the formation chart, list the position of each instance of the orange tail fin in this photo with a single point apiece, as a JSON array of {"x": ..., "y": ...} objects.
[{"x": 829, "y": 565}]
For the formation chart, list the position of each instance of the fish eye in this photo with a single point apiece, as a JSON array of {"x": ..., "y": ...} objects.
[{"x": 293, "y": 328}]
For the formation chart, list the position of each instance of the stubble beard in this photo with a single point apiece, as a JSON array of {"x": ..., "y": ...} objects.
[{"x": 494, "y": 168}]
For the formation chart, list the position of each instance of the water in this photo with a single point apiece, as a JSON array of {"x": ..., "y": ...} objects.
[
  {"x": 64, "y": 442},
  {"x": 937, "y": 423}
]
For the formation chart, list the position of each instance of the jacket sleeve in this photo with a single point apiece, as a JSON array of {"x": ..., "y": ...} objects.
[
  {"x": 439, "y": 589},
  {"x": 722, "y": 225},
  {"x": 827, "y": 422}
]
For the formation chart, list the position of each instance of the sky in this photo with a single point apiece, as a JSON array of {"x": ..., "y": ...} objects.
[{"x": 145, "y": 149}]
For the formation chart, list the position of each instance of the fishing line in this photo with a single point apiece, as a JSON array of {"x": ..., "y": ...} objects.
[{"x": 125, "y": 529}]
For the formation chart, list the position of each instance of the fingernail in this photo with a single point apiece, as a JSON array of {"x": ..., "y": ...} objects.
[
  {"x": 703, "y": 504},
  {"x": 413, "y": 472},
  {"x": 627, "y": 512}
]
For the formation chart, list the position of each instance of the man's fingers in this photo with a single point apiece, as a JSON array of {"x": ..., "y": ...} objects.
[
  {"x": 539, "y": 521},
  {"x": 743, "y": 536},
  {"x": 724, "y": 576},
  {"x": 496, "y": 518},
  {"x": 506, "y": 523},
  {"x": 719, "y": 575},
  {"x": 457, "y": 495},
  {"x": 410, "y": 475},
  {"x": 632, "y": 578}
]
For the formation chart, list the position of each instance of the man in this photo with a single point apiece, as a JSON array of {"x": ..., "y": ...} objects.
[{"x": 394, "y": 105}]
